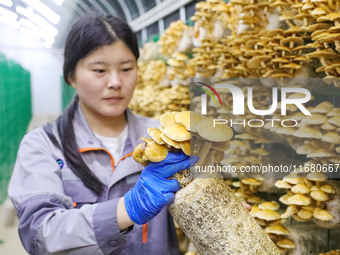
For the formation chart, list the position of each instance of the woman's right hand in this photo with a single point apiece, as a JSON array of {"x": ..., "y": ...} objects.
[{"x": 153, "y": 190}]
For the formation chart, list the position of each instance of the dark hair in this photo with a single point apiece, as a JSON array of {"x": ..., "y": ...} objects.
[
  {"x": 87, "y": 35},
  {"x": 90, "y": 33}
]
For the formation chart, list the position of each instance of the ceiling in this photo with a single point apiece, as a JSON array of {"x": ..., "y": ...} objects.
[{"x": 50, "y": 20}]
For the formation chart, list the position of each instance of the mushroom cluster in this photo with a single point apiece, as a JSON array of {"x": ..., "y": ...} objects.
[
  {"x": 187, "y": 131},
  {"x": 169, "y": 42},
  {"x": 154, "y": 95},
  {"x": 196, "y": 135},
  {"x": 267, "y": 215},
  {"x": 246, "y": 188},
  {"x": 306, "y": 195},
  {"x": 318, "y": 135},
  {"x": 253, "y": 13},
  {"x": 178, "y": 71},
  {"x": 212, "y": 18}
]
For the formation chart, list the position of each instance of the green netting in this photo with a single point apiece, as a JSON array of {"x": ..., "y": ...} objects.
[
  {"x": 67, "y": 92},
  {"x": 15, "y": 115}
]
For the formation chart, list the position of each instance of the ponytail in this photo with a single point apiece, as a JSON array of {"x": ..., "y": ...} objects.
[{"x": 70, "y": 150}]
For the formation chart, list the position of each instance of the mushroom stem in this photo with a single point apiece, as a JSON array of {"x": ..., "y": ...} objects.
[
  {"x": 317, "y": 183},
  {"x": 337, "y": 45},
  {"x": 323, "y": 61},
  {"x": 203, "y": 153},
  {"x": 209, "y": 157},
  {"x": 338, "y": 70},
  {"x": 305, "y": 21},
  {"x": 318, "y": 204}
]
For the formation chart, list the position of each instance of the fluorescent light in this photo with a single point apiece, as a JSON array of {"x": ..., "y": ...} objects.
[
  {"x": 44, "y": 10},
  {"x": 7, "y": 3},
  {"x": 38, "y": 20},
  {"x": 8, "y": 14},
  {"x": 28, "y": 28},
  {"x": 59, "y": 2},
  {"x": 10, "y": 22},
  {"x": 30, "y": 33},
  {"x": 39, "y": 31}
]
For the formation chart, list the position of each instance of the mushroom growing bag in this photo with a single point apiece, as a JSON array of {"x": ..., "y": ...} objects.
[{"x": 205, "y": 208}]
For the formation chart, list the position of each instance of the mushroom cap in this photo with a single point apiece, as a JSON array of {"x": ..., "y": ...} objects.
[
  {"x": 329, "y": 17},
  {"x": 323, "y": 107},
  {"x": 254, "y": 210},
  {"x": 267, "y": 215},
  {"x": 300, "y": 189},
  {"x": 236, "y": 184},
  {"x": 322, "y": 214},
  {"x": 318, "y": 11},
  {"x": 176, "y": 132},
  {"x": 334, "y": 112},
  {"x": 293, "y": 179},
  {"x": 308, "y": 132},
  {"x": 279, "y": 60},
  {"x": 277, "y": 229},
  {"x": 319, "y": 195},
  {"x": 299, "y": 199},
  {"x": 328, "y": 126},
  {"x": 305, "y": 149},
  {"x": 170, "y": 142},
  {"x": 314, "y": 188},
  {"x": 335, "y": 121},
  {"x": 167, "y": 119},
  {"x": 139, "y": 153},
  {"x": 291, "y": 209},
  {"x": 320, "y": 153},
  {"x": 155, "y": 152},
  {"x": 328, "y": 37},
  {"x": 316, "y": 177},
  {"x": 189, "y": 120},
  {"x": 305, "y": 214},
  {"x": 308, "y": 207},
  {"x": 219, "y": 133},
  {"x": 334, "y": 29},
  {"x": 251, "y": 181},
  {"x": 328, "y": 189},
  {"x": 147, "y": 140},
  {"x": 286, "y": 243},
  {"x": 156, "y": 136},
  {"x": 322, "y": 53},
  {"x": 281, "y": 184},
  {"x": 315, "y": 119},
  {"x": 254, "y": 200},
  {"x": 221, "y": 146},
  {"x": 256, "y": 61},
  {"x": 284, "y": 199},
  {"x": 271, "y": 205},
  {"x": 291, "y": 66},
  {"x": 185, "y": 146},
  {"x": 331, "y": 137}
]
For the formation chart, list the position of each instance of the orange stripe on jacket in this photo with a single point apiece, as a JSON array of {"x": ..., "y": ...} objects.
[
  {"x": 100, "y": 149},
  {"x": 111, "y": 158},
  {"x": 145, "y": 232}
]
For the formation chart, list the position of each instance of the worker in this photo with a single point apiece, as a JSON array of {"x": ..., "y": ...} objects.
[{"x": 75, "y": 185}]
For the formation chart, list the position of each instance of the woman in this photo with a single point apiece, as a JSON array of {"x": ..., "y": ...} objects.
[{"x": 75, "y": 186}]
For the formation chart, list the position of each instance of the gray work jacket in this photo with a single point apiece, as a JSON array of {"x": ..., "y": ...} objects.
[{"x": 59, "y": 215}]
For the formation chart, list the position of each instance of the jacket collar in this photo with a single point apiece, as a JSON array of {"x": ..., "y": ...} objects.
[{"x": 86, "y": 138}]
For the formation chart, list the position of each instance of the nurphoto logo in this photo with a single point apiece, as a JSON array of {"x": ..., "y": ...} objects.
[{"x": 239, "y": 102}]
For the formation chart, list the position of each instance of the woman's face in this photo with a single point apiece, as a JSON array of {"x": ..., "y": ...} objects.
[{"x": 105, "y": 80}]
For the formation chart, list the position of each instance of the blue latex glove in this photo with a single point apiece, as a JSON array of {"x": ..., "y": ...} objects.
[{"x": 153, "y": 190}]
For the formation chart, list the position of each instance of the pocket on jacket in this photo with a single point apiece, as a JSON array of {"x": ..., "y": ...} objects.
[{"x": 79, "y": 193}]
